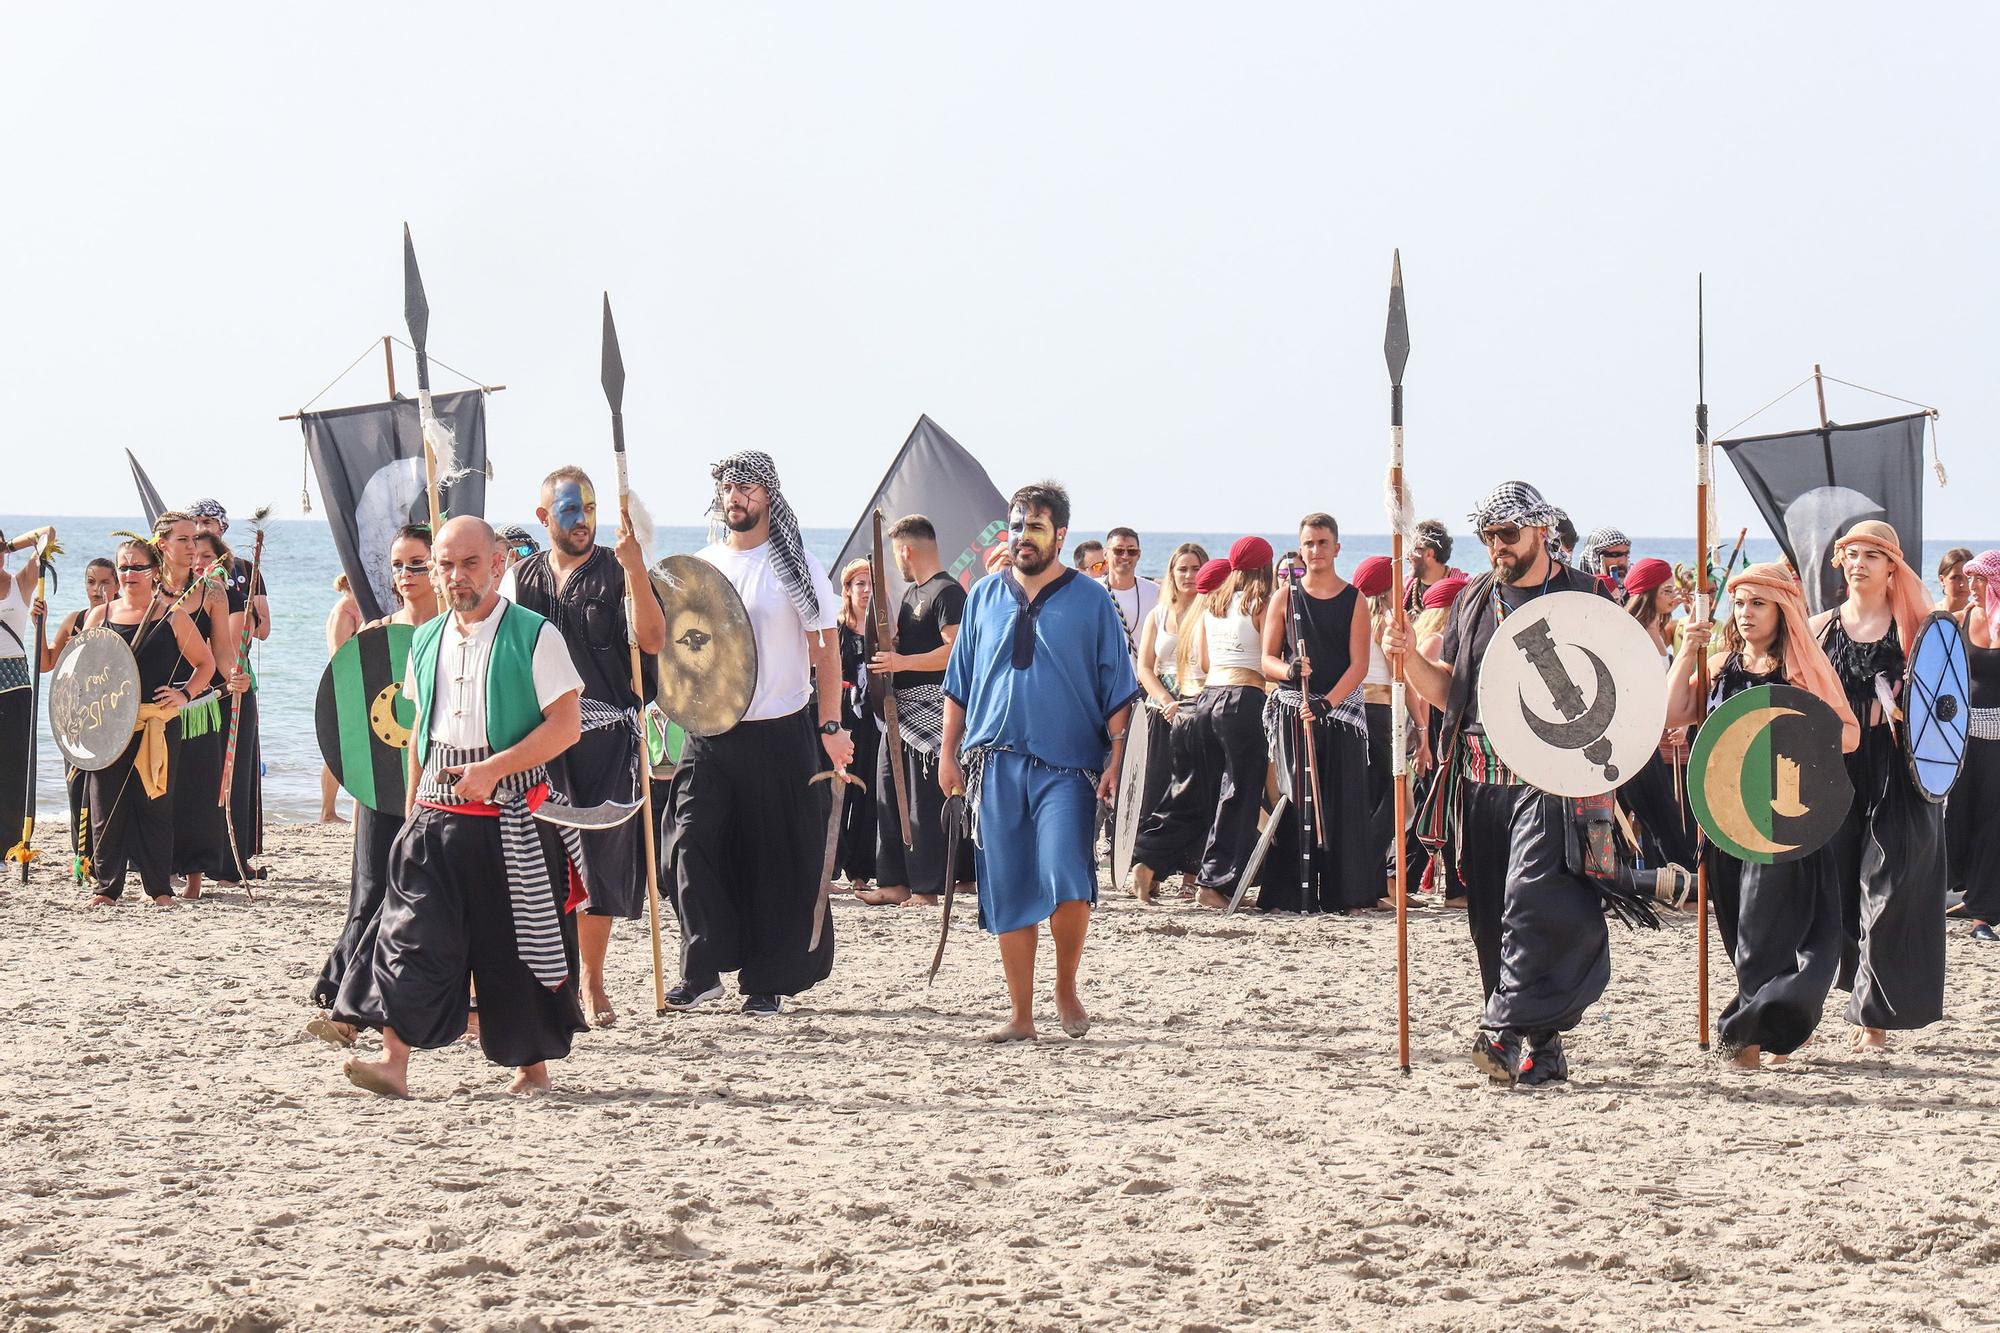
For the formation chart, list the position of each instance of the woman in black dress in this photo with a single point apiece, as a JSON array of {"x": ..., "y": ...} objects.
[
  {"x": 1780, "y": 923},
  {"x": 131, "y": 809},
  {"x": 1891, "y": 850},
  {"x": 1972, "y": 833},
  {"x": 200, "y": 834},
  {"x": 856, "y": 859},
  {"x": 100, "y": 585},
  {"x": 1656, "y": 795}
]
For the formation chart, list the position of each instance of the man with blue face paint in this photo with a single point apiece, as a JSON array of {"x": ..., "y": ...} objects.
[
  {"x": 1038, "y": 694},
  {"x": 579, "y": 587}
]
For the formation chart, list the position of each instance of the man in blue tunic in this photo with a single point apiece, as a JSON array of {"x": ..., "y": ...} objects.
[{"x": 1038, "y": 693}]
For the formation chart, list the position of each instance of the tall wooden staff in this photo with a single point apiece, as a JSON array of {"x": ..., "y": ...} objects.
[
  {"x": 1305, "y": 767},
  {"x": 417, "y": 314},
  {"x": 1396, "y": 347},
  {"x": 1703, "y": 610},
  {"x": 613, "y": 378}
]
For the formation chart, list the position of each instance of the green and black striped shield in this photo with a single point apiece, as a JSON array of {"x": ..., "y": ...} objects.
[{"x": 363, "y": 719}]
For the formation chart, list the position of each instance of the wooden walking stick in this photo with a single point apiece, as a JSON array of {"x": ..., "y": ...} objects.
[
  {"x": 1703, "y": 610},
  {"x": 1305, "y": 769},
  {"x": 612, "y": 376},
  {"x": 1396, "y": 347}
]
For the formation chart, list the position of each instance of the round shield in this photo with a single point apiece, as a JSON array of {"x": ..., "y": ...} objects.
[
  {"x": 1131, "y": 795},
  {"x": 1937, "y": 706},
  {"x": 1573, "y": 694},
  {"x": 364, "y": 721},
  {"x": 1766, "y": 778},
  {"x": 708, "y": 670},
  {"x": 94, "y": 698}
]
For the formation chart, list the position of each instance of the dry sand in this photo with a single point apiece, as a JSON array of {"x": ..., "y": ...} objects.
[{"x": 1231, "y": 1147}]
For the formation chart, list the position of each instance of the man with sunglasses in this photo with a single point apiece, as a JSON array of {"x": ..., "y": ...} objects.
[
  {"x": 1607, "y": 553},
  {"x": 1544, "y": 952},
  {"x": 579, "y": 587}
]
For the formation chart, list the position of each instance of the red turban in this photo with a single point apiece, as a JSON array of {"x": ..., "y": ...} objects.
[
  {"x": 1444, "y": 592},
  {"x": 1374, "y": 575},
  {"x": 1647, "y": 576},
  {"x": 1250, "y": 553},
  {"x": 1211, "y": 576}
]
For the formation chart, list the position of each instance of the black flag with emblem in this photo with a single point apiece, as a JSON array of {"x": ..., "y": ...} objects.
[
  {"x": 370, "y": 462},
  {"x": 935, "y": 476},
  {"x": 1813, "y": 485}
]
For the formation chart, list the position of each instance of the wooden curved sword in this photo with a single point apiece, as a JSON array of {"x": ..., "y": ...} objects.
[
  {"x": 954, "y": 819},
  {"x": 823, "y": 911}
]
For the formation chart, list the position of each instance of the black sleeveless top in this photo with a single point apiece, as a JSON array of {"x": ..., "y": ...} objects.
[
  {"x": 159, "y": 656},
  {"x": 204, "y": 624},
  {"x": 1733, "y": 678},
  {"x": 589, "y": 613},
  {"x": 1984, "y": 665},
  {"x": 1329, "y": 623},
  {"x": 1857, "y": 665}
]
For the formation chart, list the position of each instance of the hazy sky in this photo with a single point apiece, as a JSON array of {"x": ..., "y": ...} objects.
[{"x": 1141, "y": 247}]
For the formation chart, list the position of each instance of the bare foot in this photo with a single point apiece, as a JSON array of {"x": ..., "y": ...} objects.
[
  {"x": 1870, "y": 1040},
  {"x": 1204, "y": 897},
  {"x": 193, "y": 889},
  {"x": 1780, "y": 1061},
  {"x": 598, "y": 1010},
  {"x": 531, "y": 1079},
  {"x": 471, "y": 1027},
  {"x": 1385, "y": 904},
  {"x": 164, "y": 900},
  {"x": 1013, "y": 1030},
  {"x": 855, "y": 887},
  {"x": 1750, "y": 1057},
  {"x": 1075, "y": 1018},
  {"x": 102, "y": 900},
  {"x": 883, "y": 895},
  {"x": 1458, "y": 903},
  {"x": 1143, "y": 882},
  {"x": 922, "y": 900},
  {"x": 330, "y": 1032},
  {"x": 375, "y": 1076}
]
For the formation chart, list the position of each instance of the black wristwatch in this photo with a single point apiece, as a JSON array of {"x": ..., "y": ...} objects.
[{"x": 829, "y": 728}]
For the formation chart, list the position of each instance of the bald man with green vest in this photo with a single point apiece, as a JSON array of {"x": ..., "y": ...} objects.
[{"x": 480, "y": 892}]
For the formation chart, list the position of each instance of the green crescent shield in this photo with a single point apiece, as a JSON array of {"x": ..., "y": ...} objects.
[
  {"x": 1766, "y": 777},
  {"x": 363, "y": 720}
]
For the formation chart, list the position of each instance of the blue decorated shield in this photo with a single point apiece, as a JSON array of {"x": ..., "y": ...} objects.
[{"x": 1937, "y": 706}]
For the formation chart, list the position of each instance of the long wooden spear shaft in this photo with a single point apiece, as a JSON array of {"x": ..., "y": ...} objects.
[
  {"x": 417, "y": 314},
  {"x": 1396, "y": 348},
  {"x": 1703, "y": 610},
  {"x": 25, "y": 851},
  {"x": 613, "y": 378},
  {"x": 236, "y": 709}
]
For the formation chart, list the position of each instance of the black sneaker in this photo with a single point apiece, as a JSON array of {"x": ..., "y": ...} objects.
[
  {"x": 1498, "y": 1053},
  {"x": 1544, "y": 1062},
  {"x": 763, "y": 1006},
  {"x": 1985, "y": 934},
  {"x": 686, "y": 994}
]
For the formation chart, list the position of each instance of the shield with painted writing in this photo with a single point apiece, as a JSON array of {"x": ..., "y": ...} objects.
[{"x": 94, "y": 698}]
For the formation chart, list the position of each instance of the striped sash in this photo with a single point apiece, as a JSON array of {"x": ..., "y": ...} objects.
[{"x": 537, "y": 923}]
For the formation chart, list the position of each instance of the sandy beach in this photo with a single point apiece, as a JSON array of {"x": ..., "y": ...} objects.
[{"x": 1231, "y": 1147}]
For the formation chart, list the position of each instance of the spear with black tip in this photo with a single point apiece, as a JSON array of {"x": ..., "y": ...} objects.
[
  {"x": 612, "y": 376},
  {"x": 417, "y": 315},
  {"x": 242, "y": 663},
  {"x": 1703, "y": 610},
  {"x": 24, "y": 851},
  {"x": 1396, "y": 347}
]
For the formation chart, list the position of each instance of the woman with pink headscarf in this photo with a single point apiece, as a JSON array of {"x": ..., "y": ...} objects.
[
  {"x": 1891, "y": 849},
  {"x": 1972, "y": 835},
  {"x": 1780, "y": 923}
]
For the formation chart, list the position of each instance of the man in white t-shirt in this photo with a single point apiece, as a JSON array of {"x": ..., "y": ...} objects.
[
  {"x": 1134, "y": 597},
  {"x": 746, "y": 830}
]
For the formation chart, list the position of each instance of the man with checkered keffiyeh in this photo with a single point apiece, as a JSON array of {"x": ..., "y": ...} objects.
[{"x": 1538, "y": 927}]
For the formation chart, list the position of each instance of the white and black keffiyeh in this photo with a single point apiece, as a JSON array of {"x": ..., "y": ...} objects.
[
  {"x": 1515, "y": 502},
  {"x": 1589, "y": 557},
  {"x": 920, "y": 719},
  {"x": 788, "y": 553},
  {"x": 1350, "y": 713},
  {"x": 207, "y": 508}
]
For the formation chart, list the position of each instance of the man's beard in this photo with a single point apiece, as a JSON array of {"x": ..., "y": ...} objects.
[
  {"x": 465, "y": 599},
  {"x": 577, "y": 541},
  {"x": 740, "y": 520},
  {"x": 1028, "y": 560}
]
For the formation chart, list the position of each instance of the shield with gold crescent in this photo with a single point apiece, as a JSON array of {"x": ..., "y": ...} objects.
[
  {"x": 1572, "y": 694},
  {"x": 708, "y": 671},
  {"x": 1766, "y": 778},
  {"x": 362, "y": 719}
]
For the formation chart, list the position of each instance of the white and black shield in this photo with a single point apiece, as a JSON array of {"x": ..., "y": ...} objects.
[{"x": 1572, "y": 694}]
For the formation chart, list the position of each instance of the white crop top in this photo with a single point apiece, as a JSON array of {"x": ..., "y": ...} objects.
[{"x": 1234, "y": 640}]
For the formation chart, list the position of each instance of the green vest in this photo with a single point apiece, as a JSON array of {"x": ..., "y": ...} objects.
[{"x": 511, "y": 707}]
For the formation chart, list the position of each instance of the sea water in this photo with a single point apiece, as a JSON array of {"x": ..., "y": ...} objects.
[{"x": 300, "y": 564}]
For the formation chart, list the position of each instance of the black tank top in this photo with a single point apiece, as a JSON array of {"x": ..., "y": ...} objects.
[
  {"x": 159, "y": 655},
  {"x": 1329, "y": 623},
  {"x": 1857, "y": 664},
  {"x": 1733, "y": 678},
  {"x": 1984, "y": 664},
  {"x": 195, "y": 608}
]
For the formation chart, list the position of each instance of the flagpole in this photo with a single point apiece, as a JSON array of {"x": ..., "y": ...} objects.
[
  {"x": 1396, "y": 347},
  {"x": 1703, "y": 610},
  {"x": 612, "y": 376}
]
